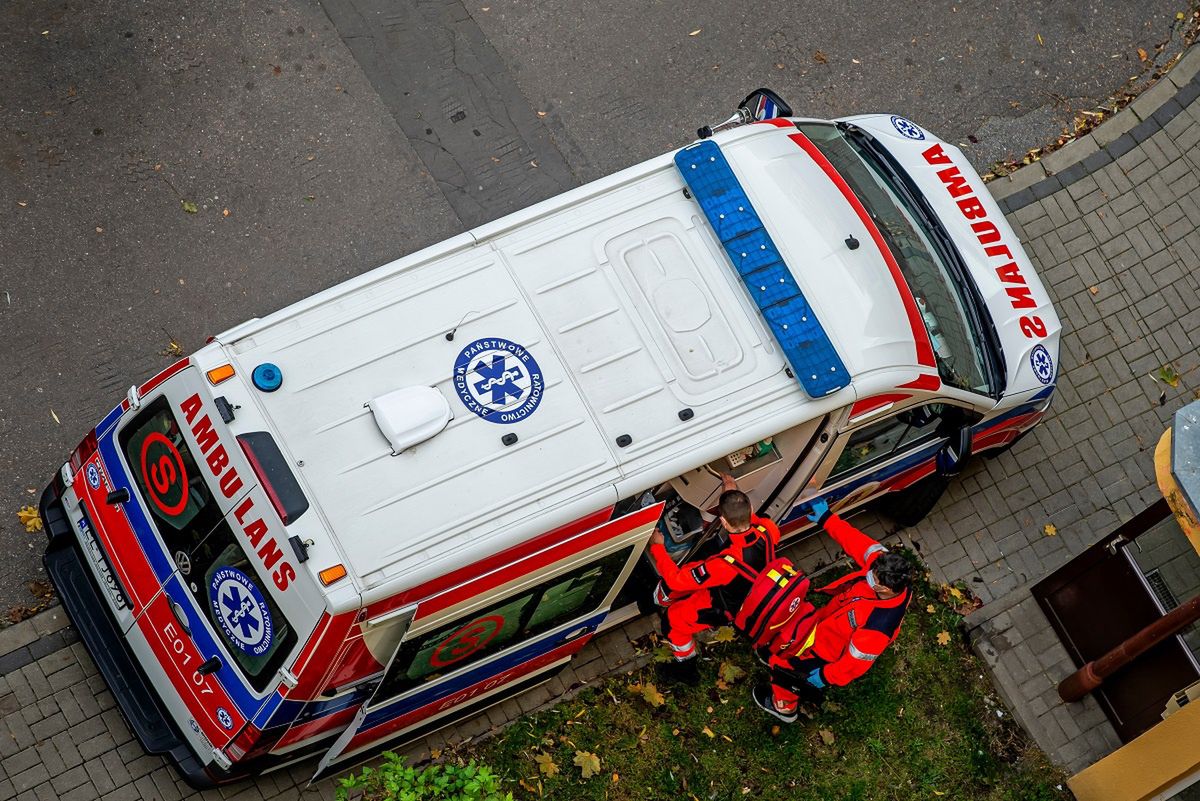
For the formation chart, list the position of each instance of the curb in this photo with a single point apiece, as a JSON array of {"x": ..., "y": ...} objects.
[{"x": 1145, "y": 116}]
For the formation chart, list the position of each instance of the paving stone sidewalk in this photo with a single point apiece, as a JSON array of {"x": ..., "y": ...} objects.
[{"x": 1117, "y": 243}]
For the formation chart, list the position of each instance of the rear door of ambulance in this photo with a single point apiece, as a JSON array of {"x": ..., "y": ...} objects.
[
  {"x": 201, "y": 552},
  {"x": 488, "y": 638}
]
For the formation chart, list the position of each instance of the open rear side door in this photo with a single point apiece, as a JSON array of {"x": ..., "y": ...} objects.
[{"x": 478, "y": 643}]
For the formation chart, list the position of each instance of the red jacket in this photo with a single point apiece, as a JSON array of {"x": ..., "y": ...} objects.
[
  {"x": 714, "y": 571},
  {"x": 854, "y": 628}
]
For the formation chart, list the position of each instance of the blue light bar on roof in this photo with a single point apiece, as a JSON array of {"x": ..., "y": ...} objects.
[{"x": 768, "y": 280}]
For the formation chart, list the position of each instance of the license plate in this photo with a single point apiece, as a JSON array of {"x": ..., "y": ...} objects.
[{"x": 107, "y": 580}]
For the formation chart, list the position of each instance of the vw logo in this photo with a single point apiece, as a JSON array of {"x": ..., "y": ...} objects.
[
  {"x": 1043, "y": 365},
  {"x": 907, "y": 128}
]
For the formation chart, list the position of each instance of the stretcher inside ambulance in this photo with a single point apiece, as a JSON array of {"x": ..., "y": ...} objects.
[{"x": 382, "y": 509}]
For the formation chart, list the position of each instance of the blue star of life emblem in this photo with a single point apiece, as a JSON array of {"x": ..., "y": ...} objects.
[
  {"x": 1043, "y": 365},
  {"x": 498, "y": 380},
  {"x": 241, "y": 611},
  {"x": 907, "y": 128}
]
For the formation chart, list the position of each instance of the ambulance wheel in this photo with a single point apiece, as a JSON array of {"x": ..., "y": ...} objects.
[{"x": 910, "y": 505}]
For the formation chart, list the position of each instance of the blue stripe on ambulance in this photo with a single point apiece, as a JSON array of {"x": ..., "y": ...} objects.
[{"x": 164, "y": 571}]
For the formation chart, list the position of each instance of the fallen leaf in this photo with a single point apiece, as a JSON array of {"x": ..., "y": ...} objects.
[
  {"x": 943, "y": 638},
  {"x": 39, "y": 589},
  {"x": 45, "y": 33},
  {"x": 1180, "y": 16},
  {"x": 173, "y": 350},
  {"x": 723, "y": 634},
  {"x": 22, "y": 203},
  {"x": 224, "y": 212},
  {"x": 616, "y": 777},
  {"x": 99, "y": 230},
  {"x": 278, "y": 70},
  {"x": 730, "y": 672},
  {"x": 649, "y": 693},
  {"x": 1040, "y": 42},
  {"x": 1049, "y": 529},
  {"x": 545, "y": 764},
  {"x": 435, "y": 753},
  {"x": 826, "y": 736},
  {"x": 930, "y": 609},
  {"x": 189, "y": 206},
  {"x": 956, "y": 593},
  {"x": 1095, "y": 290},
  {"x": 588, "y": 763},
  {"x": 1168, "y": 376},
  {"x": 855, "y": 61},
  {"x": 695, "y": 32},
  {"x": 541, "y": 114},
  {"x": 820, "y": 57},
  {"x": 30, "y": 519},
  {"x": 775, "y": 731},
  {"x": 1142, "y": 54},
  {"x": 529, "y": 788},
  {"x": 708, "y": 731},
  {"x": 55, "y": 416}
]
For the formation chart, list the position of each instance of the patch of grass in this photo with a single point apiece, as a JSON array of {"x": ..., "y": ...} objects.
[{"x": 924, "y": 723}]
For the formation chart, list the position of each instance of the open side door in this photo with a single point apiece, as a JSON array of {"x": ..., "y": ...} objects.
[{"x": 481, "y": 642}]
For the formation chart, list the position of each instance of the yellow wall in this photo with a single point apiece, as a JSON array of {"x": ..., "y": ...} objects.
[
  {"x": 1184, "y": 513},
  {"x": 1146, "y": 766}
]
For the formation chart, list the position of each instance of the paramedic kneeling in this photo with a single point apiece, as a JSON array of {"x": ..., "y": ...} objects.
[
  {"x": 702, "y": 594},
  {"x": 849, "y": 633}
]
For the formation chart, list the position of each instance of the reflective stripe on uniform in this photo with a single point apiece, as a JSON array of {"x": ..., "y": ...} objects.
[
  {"x": 863, "y": 655},
  {"x": 876, "y": 548},
  {"x": 685, "y": 651},
  {"x": 852, "y": 618}
]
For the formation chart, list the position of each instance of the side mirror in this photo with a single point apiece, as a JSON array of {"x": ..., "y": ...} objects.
[
  {"x": 763, "y": 104},
  {"x": 954, "y": 454}
]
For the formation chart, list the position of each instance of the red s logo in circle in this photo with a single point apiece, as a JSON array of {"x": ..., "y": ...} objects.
[
  {"x": 467, "y": 640},
  {"x": 164, "y": 474}
]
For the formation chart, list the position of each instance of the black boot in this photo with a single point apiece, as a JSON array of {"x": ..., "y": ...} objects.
[{"x": 680, "y": 671}]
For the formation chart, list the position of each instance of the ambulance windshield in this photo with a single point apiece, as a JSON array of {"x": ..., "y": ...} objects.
[
  {"x": 950, "y": 316},
  {"x": 210, "y": 560}
]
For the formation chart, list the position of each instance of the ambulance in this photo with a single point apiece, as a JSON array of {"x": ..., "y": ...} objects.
[{"x": 382, "y": 509}]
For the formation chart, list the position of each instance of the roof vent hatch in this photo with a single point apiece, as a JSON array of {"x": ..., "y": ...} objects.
[{"x": 409, "y": 416}]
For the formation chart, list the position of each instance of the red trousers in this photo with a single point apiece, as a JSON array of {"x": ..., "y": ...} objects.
[{"x": 687, "y": 617}]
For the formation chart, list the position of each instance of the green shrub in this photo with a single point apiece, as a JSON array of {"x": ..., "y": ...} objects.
[{"x": 396, "y": 781}]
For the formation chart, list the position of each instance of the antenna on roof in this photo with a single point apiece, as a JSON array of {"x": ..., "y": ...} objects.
[{"x": 463, "y": 319}]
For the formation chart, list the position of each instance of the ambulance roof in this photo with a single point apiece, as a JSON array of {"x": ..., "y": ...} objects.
[{"x": 591, "y": 346}]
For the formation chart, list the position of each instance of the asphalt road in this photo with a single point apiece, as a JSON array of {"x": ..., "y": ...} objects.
[{"x": 317, "y": 140}]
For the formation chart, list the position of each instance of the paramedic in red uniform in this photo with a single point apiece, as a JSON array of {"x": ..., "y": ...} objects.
[
  {"x": 706, "y": 593},
  {"x": 849, "y": 633}
]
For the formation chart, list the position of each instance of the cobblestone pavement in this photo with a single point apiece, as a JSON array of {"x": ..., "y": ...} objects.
[{"x": 1116, "y": 242}]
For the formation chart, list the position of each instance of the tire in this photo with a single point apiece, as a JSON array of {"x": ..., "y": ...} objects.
[{"x": 910, "y": 505}]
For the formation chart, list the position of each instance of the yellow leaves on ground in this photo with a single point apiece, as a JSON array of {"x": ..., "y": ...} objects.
[
  {"x": 30, "y": 519},
  {"x": 826, "y": 736},
  {"x": 588, "y": 763},
  {"x": 955, "y": 593},
  {"x": 649, "y": 693},
  {"x": 931, "y": 609},
  {"x": 943, "y": 638},
  {"x": 723, "y": 634},
  {"x": 1142, "y": 54},
  {"x": 1049, "y": 529},
  {"x": 545, "y": 764},
  {"x": 189, "y": 207},
  {"x": 708, "y": 732},
  {"x": 727, "y": 674}
]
